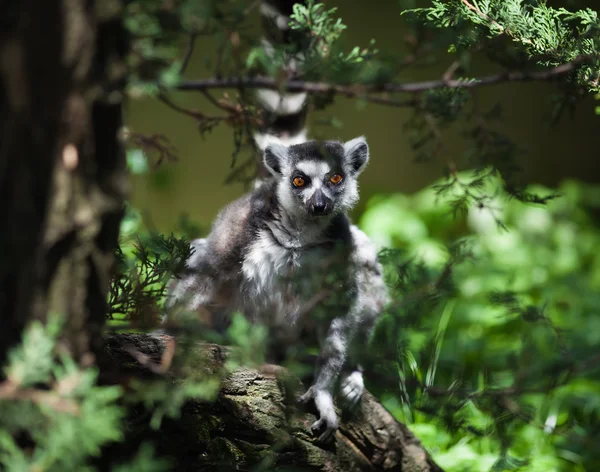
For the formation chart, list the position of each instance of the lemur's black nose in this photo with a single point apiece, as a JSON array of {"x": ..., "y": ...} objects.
[
  {"x": 319, "y": 207},
  {"x": 319, "y": 204}
]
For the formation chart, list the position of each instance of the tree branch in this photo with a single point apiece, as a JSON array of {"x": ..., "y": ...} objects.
[{"x": 363, "y": 91}]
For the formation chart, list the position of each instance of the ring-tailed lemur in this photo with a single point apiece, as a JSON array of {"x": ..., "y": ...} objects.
[{"x": 286, "y": 255}]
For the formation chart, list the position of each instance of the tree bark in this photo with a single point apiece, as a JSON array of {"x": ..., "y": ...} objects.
[
  {"x": 255, "y": 424},
  {"x": 62, "y": 167}
]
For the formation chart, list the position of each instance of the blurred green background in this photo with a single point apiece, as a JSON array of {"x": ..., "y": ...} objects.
[{"x": 195, "y": 185}]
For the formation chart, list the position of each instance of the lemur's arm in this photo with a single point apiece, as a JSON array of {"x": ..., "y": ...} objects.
[
  {"x": 373, "y": 297},
  {"x": 346, "y": 333}
]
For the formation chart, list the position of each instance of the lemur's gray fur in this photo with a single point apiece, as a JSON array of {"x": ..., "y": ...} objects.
[{"x": 287, "y": 255}]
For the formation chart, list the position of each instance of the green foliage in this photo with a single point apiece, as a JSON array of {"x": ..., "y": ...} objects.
[
  {"x": 515, "y": 35},
  {"x": 549, "y": 36},
  {"x": 318, "y": 22},
  {"x": 159, "y": 30},
  {"x": 493, "y": 339},
  {"x": 54, "y": 416},
  {"x": 145, "y": 261},
  {"x": 155, "y": 45},
  {"x": 318, "y": 51},
  {"x": 52, "y": 404},
  {"x": 250, "y": 340},
  {"x": 137, "y": 162}
]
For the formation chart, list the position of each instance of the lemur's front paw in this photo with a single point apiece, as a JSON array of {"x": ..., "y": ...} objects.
[
  {"x": 327, "y": 422},
  {"x": 327, "y": 425},
  {"x": 352, "y": 388}
]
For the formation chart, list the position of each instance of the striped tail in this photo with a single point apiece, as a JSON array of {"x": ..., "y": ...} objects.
[{"x": 285, "y": 113}]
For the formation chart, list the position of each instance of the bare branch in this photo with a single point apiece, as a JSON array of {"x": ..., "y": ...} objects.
[{"x": 364, "y": 91}]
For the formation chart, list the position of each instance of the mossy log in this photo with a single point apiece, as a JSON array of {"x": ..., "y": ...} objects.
[{"x": 255, "y": 424}]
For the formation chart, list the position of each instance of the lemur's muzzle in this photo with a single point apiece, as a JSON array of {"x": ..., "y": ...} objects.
[{"x": 319, "y": 204}]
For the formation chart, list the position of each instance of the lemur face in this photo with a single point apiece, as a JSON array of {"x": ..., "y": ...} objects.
[{"x": 317, "y": 179}]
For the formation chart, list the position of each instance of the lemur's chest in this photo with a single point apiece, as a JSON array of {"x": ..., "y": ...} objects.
[
  {"x": 268, "y": 265},
  {"x": 282, "y": 280}
]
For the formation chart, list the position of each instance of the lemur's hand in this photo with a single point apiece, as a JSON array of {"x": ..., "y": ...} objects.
[
  {"x": 352, "y": 388},
  {"x": 327, "y": 422}
]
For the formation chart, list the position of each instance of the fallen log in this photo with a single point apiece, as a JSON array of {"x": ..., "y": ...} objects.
[{"x": 255, "y": 424}]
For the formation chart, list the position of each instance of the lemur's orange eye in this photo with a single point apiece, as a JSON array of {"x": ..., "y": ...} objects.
[
  {"x": 299, "y": 182},
  {"x": 336, "y": 179}
]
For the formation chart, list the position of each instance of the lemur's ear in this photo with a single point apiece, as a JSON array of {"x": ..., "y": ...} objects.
[
  {"x": 274, "y": 157},
  {"x": 356, "y": 153}
]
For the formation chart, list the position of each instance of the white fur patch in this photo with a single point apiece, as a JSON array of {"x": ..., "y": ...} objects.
[
  {"x": 280, "y": 19},
  {"x": 356, "y": 157},
  {"x": 264, "y": 139},
  {"x": 352, "y": 388},
  {"x": 350, "y": 146},
  {"x": 264, "y": 262},
  {"x": 366, "y": 252},
  {"x": 279, "y": 151},
  {"x": 286, "y": 104},
  {"x": 315, "y": 185},
  {"x": 314, "y": 169},
  {"x": 373, "y": 294},
  {"x": 264, "y": 265},
  {"x": 324, "y": 403}
]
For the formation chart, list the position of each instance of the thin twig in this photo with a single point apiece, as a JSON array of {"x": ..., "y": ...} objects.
[
  {"x": 194, "y": 114},
  {"x": 479, "y": 13},
  {"x": 188, "y": 53},
  {"x": 221, "y": 103},
  {"x": 211, "y": 99},
  {"x": 9, "y": 391},
  {"x": 448, "y": 75}
]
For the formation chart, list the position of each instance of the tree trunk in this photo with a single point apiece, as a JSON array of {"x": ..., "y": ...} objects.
[
  {"x": 255, "y": 425},
  {"x": 62, "y": 168}
]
